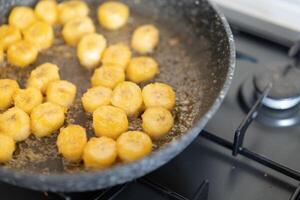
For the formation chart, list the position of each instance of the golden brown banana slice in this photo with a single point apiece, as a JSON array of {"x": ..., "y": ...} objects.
[
  {"x": 46, "y": 118},
  {"x": 109, "y": 121},
  {"x": 99, "y": 153},
  {"x": 117, "y": 54},
  {"x": 27, "y": 99},
  {"x": 69, "y": 10},
  {"x": 21, "y": 17},
  {"x": 47, "y": 11},
  {"x": 71, "y": 142},
  {"x": 157, "y": 121},
  {"x": 128, "y": 96},
  {"x": 108, "y": 76},
  {"x": 62, "y": 93},
  {"x": 8, "y": 88},
  {"x": 22, "y": 53},
  {"x": 9, "y": 35},
  {"x": 133, "y": 145},
  {"x": 90, "y": 50},
  {"x": 113, "y": 15},
  {"x": 41, "y": 76},
  {"x": 145, "y": 38},
  {"x": 40, "y": 34},
  {"x": 15, "y": 123},
  {"x": 1, "y": 55},
  {"x": 7, "y": 149},
  {"x": 159, "y": 95},
  {"x": 76, "y": 28},
  {"x": 96, "y": 97},
  {"x": 142, "y": 69}
]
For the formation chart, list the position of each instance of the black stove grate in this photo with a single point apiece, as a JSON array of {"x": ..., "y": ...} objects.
[{"x": 237, "y": 145}]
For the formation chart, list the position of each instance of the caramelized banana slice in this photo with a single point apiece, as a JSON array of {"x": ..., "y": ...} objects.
[
  {"x": 7, "y": 149},
  {"x": 90, "y": 50},
  {"x": 15, "y": 123},
  {"x": 159, "y": 94},
  {"x": 47, "y": 11},
  {"x": 142, "y": 69},
  {"x": 41, "y": 76},
  {"x": 61, "y": 93},
  {"x": 22, "y": 54},
  {"x": 133, "y": 145},
  {"x": 9, "y": 35},
  {"x": 118, "y": 54},
  {"x": 109, "y": 121},
  {"x": 157, "y": 121},
  {"x": 8, "y": 88},
  {"x": 21, "y": 17},
  {"x": 76, "y": 28},
  {"x": 69, "y": 10},
  {"x": 128, "y": 96},
  {"x": 99, "y": 153},
  {"x": 1, "y": 55},
  {"x": 27, "y": 99},
  {"x": 40, "y": 34},
  {"x": 46, "y": 118},
  {"x": 145, "y": 38},
  {"x": 96, "y": 97},
  {"x": 71, "y": 142},
  {"x": 113, "y": 15},
  {"x": 108, "y": 76}
]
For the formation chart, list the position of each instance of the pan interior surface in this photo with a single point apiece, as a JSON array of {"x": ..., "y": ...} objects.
[{"x": 193, "y": 54}]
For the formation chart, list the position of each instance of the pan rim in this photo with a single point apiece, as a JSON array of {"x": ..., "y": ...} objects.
[{"x": 86, "y": 181}]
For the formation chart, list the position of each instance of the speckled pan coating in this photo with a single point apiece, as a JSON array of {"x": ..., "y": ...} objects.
[{"x": 208, "y": 43}]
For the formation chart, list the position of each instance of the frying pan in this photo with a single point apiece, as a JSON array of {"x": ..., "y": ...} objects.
[{"x": 196, "y": 56}]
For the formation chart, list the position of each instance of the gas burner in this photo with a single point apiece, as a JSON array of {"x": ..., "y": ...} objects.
[
  {"x": 268, "y": 116},
  {"x": 285, "y": 92}
]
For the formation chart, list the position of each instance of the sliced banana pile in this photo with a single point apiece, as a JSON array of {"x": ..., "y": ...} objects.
[{"x": 115, "y": 96}]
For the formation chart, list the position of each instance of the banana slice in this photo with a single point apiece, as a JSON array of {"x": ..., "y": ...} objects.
[
  {"x": 40, "y": 34},
  {"x": 46, "y": 118},
  {"x": 90, "y": 50},
  {"x": 133, "y": 145},
  {"x": 159, "y": 94},
  {"x": 99, "y": 153},
  {"x": 69, "y": 10},
  {"x": 47, "y": 11},
  {"x": 109, "y": 121},
  {"x": 62, "y": 93},
  {"x": 9, "y": 35},
  {"x": 15, "y": 123},
  {"x": 145, "y": 38},
  {"x": 128, "y": 96},
  {"x": 21, "y": 17},
  {"x": 108, "y": 76},
  {"x": 27, "y": 99},
  {"x": 157, "y": 121},
  {"x": 8, "y": 88},
  {"x": 113, "y": 15},
  {"x": 117, "y": 54},
  {"x": 71, "y": 142},
  {"x": 76, "y": 28},
  {"x": 96, "y": 97},
  {"x": 22, "y": 54},
  {"x": 41, "y": 76},
  {"x": 7, "y": 149},
  {"x": 142, "y": 69},
  {"x": 1, "y": 55}
]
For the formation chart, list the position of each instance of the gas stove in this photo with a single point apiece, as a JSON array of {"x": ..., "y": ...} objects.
[{"x": 247, "y": 151}]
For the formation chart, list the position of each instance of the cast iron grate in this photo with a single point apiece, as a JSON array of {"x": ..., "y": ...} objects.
[
  {"x": 237, "y": 145},
  {"x": 138, "y": 189}
]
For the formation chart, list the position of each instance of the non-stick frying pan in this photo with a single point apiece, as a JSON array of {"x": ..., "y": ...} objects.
[{"x": 196, "y": 56}]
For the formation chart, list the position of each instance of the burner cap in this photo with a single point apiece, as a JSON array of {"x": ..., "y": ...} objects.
[{"x": 285, "y": 79}]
